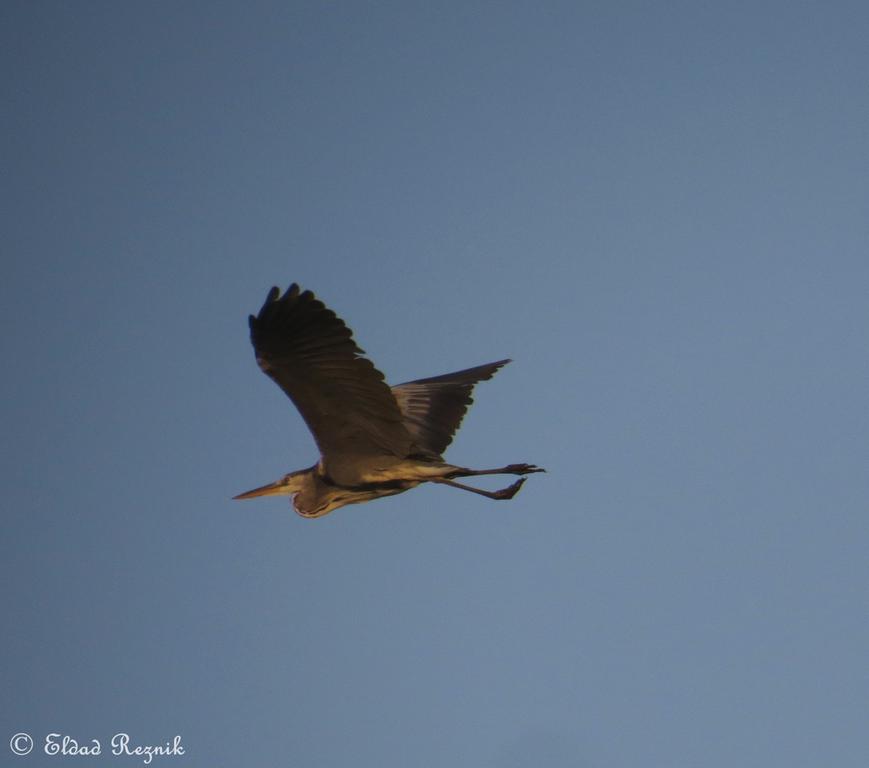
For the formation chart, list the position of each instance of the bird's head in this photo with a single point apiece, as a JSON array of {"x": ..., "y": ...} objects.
[
  {"x": 311, "y": 497},
  {"x": 288, "y": 485}
]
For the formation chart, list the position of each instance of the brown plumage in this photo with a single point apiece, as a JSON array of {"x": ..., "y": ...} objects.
[{"x": 373, "y": 440}]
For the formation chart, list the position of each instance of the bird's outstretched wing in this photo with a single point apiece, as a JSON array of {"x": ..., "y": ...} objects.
[
  {"x": 433, "y": 408},
  {"x": 342, "y": 397}
]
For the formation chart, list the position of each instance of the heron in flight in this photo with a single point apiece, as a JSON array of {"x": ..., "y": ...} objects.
[{"x": 374, "y": 440}]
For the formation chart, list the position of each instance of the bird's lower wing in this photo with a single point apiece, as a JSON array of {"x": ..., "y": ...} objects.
[{"x": 433, "y": 408}]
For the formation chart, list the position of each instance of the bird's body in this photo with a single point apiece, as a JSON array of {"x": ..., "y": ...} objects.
[{"x": 374, "y": 440}]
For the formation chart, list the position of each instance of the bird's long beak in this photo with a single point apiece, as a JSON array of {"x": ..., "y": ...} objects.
[{"x": 272, "y": 489}]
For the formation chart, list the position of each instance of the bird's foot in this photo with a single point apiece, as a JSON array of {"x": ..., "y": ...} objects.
[
  {"x": 522, "y": 469},
  {"x": 510, "y": 491}
]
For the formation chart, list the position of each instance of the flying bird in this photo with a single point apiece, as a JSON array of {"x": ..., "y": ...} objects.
[{"x": 374, "y": 440}]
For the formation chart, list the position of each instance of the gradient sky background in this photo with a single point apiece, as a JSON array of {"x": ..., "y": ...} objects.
[{"x": 659, "y": 210}]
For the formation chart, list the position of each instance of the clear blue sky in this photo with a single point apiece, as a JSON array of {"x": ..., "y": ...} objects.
[{"x": 658, "y": 210}]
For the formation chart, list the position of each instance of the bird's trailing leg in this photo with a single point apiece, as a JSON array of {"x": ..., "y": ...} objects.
[
  {"x": 510, "y": 469},
  {"x": 504, "y": 493}
]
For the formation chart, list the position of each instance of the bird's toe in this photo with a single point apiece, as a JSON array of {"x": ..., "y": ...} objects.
[
  {"x": 510, "y": 491},
  {"x": 524, "y": 469}
]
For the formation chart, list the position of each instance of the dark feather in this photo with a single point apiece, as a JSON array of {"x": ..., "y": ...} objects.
[
  {"x": 433, "y": 408},
  {"x": 342, "y": 397}
]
